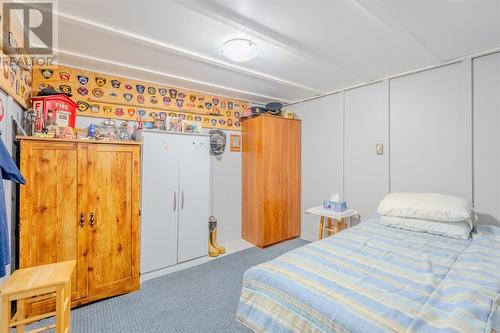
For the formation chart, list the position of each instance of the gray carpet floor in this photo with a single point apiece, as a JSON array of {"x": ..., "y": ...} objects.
[{"x": 200, "y": 299}]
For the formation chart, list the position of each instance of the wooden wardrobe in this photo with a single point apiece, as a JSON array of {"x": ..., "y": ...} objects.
[
  {"x": 81, "y": 201},
  {"x": 271, "y": 179}
]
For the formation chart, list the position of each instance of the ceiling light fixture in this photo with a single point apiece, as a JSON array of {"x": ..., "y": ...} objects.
[{"x": 239, "y": 49}]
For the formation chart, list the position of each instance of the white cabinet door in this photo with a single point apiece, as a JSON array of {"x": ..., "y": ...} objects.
[
  {"x": 194, "y": 185},
  {"x": 487, "y": 138},
  {"x": 366, "y": 121},
  {"x": 160, "y": 201},
  {"x": 430, "y": 132}
]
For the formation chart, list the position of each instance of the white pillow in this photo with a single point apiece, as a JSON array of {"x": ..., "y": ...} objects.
[
  {"x": 426, "y": 206},
  {"x": 460, "y": 230}
]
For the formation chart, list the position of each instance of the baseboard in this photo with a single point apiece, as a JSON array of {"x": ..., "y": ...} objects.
[
  {"x": 228, "y": 238},
  {"x": 232, "y": 246},
  {"x": 174, "y": 268},
  {"x": 308, "y": 237}
]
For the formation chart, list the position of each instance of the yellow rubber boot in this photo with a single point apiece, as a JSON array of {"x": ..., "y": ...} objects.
[
  {"x": 221, "y": 249},
  {"x": 212, "y": 250}
]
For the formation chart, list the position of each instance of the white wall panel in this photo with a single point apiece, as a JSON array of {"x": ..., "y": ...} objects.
[
  {"x": 366, "y": 123},
  {"x": 431, "y": 132},
  {"x": 226, "y": 195},
  {"x": 486, "y": 80},
  {"x": 321, "y": 155}
]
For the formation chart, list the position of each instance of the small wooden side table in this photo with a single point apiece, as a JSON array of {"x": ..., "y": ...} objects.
[
  {"x": 341, "y": 220},
  {"x": 39, "y": 282}
]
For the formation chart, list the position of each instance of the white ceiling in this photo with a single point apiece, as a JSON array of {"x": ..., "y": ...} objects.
[{"x": 306, "y": 47}]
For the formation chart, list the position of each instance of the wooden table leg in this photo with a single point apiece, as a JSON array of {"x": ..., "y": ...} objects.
[
  {"x": 321, "y": 225},
  {"x": 329, "y": 226},
  {"x": 60, "y": 309},
  {"x": 336, "y": 226},
  {"x": 343, "y": 224},
  {"x": 21, "y": 315},
  {"x": 67, "y": 313},
  {"x": 4, "y": 323}
]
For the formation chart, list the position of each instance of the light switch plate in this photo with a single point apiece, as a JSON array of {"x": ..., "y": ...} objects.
[{"x": 379, "y": 148}]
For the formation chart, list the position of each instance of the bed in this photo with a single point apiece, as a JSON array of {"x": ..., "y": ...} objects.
[{"x": 372, "y": 278}]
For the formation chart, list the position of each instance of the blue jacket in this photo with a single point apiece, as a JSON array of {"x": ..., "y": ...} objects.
[{"x": 9, "y": 171}]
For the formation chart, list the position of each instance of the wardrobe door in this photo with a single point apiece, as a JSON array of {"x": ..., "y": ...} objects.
[
  {"x": 291, "y": 178},
  {"x": 431, "y": 132},
  {"x": 160, "y": 200},
  {"x": 273, "y": 180},
  {"x": 194, "y": 200},
  {"x": 113, "y": 218},
  {"x": 49, "y": 208},
  {"x": 252, "y": 180},
  {"x": 366, "y": 171}
]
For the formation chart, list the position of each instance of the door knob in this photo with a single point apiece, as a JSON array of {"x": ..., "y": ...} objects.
[
  {"x": 82, "y": 219},
  {"x": 92, "y": 220}
]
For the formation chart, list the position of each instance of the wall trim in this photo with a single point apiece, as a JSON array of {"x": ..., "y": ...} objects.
[
  {"x": 417, "y": 70},
  {"x": 468, "y": 87},
  {"x": 182, "y": 51},
  {"x": 152, "y": 71}
]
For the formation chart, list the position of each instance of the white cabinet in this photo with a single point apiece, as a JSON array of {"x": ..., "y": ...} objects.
[{"x": 175, "y": 198}]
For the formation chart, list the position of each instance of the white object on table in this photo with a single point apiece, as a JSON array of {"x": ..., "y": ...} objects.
[{"x": 331, "y": 215}]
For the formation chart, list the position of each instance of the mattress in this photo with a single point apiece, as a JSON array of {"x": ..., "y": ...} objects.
[{"x": 372, "y": 278}]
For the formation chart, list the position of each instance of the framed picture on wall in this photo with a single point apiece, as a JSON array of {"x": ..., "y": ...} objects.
[{"x": 235, "y": 142}]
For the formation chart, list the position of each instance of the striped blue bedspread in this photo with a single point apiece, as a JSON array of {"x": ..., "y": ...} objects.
[{"x": 372, "y": 278}]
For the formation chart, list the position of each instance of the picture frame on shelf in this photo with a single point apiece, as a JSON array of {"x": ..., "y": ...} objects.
[
  {"x": 189, "y": 126},
  {"x": 173, "y": 124}
]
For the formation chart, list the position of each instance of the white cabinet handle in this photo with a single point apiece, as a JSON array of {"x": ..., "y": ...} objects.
[
  {"x": 182, "y": 199},
  {"x": 175, "y": 201}
]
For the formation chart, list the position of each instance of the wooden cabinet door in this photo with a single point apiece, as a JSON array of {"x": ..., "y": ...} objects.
[
  {"x": 113, "y": 219},
  {"x": 272, "y": 180},
  {"x": 50, "y": 230},
  {"x": 252, "y": 181},
  {"x": 291, "y": 178}
]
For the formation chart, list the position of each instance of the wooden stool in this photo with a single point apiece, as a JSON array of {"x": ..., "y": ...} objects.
[{"x": 38, "y": 283}]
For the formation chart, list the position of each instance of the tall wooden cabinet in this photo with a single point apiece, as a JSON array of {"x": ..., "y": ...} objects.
[
  {"x": 81, "y": 201},
  {"x": 271, "y": 179}
]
